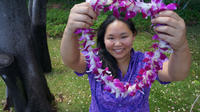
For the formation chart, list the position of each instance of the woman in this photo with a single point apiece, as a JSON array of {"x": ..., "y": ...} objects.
[{"x": 115, "y": 40}]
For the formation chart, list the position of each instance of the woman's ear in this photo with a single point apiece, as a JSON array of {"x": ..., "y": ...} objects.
[{"x": 134, "y": 35}]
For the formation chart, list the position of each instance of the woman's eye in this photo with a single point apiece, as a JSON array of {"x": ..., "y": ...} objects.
[
  {"x": 110, "y": 38},
  {"x": 124, "y": 37}
]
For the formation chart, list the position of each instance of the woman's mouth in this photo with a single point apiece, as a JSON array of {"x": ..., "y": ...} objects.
[{"x": 118, "y": 51}]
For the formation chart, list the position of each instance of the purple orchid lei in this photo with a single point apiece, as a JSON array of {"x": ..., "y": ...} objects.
[{"x": 153, "y": 60}]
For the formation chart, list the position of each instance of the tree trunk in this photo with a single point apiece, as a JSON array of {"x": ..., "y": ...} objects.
[
  {"x": 15, "y": 40},
  {"x": 37, "y": 13}
]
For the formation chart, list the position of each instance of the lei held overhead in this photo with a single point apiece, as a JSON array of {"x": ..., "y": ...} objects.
[{"x": 153, "y": 59}]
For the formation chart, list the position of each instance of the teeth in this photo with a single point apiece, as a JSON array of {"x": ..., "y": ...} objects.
[{"x": 118, "y": 50}]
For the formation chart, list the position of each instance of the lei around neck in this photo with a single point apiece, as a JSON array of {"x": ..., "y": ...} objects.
[{"x": 153, "y": 59}]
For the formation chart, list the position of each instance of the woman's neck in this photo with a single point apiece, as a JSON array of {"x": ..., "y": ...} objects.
[{"x": 123, "y": 64}]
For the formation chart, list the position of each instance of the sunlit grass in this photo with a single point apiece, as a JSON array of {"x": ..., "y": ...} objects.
[{"x": 73, "y": 93}]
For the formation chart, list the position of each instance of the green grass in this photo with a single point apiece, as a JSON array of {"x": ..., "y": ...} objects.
[
  {"x": 72, "y": 93},
  {"x": 177, "y": 96}
]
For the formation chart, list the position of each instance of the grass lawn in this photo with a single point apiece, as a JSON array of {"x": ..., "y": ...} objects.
[{"x": 72, "y": 93}]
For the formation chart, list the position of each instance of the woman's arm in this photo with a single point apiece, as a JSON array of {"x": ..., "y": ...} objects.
[
  {"x": 174, "y": 32},
  {"x": 177, "y": 67},
  {"x": 81, "y": 16}
]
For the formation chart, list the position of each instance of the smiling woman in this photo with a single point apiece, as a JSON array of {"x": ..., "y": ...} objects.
[
  {"x": 154, "y": 60},
  {"x": 119, "y": 44},
  {"x": 125, "y": 35},
  {"x": 114, "y": 40}
]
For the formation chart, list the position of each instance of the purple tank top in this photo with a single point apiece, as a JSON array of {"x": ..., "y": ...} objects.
[{"x": 103, "y": 101}]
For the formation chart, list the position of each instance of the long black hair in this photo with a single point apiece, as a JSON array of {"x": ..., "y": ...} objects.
[{"x": 107, "y": 59}]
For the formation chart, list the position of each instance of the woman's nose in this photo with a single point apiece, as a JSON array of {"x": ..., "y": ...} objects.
[{"x": 118, "y": 43}]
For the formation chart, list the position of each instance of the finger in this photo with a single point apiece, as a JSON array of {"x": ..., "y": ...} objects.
[
  {"x": 85, "y": 4},
  {"x": 166, "y": 30},
  {"x": 169, "y": 13},
  {"x": 88, "y": 10},
  {"x": 81, "y": 25},
  {"x": 165, "y": 20},
  {"x": 83, "y": 18},
  {"x": 167, "y": 38}
]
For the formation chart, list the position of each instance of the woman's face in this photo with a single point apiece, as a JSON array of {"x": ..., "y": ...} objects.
[{"x": 118, "y": 40}]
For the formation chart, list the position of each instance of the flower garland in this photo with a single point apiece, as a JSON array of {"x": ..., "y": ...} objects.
[{"x": 153, "y": 60}]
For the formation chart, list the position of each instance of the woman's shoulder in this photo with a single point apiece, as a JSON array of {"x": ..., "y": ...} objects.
[{"x": 137, "y": 55}]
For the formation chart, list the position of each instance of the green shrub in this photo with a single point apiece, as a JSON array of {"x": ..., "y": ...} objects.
[
  {"x": 191, "y": 17},
  {"x": 56, "y": 21},
  {"x": 57, "y": 18}
]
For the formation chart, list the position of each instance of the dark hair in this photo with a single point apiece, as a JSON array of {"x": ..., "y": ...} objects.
[{"x": 107, "y": 59}]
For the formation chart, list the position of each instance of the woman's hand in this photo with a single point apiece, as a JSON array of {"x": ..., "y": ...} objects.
[
  {"x": 172, "y": 30},
  {"x": 81, "y": 16}
]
